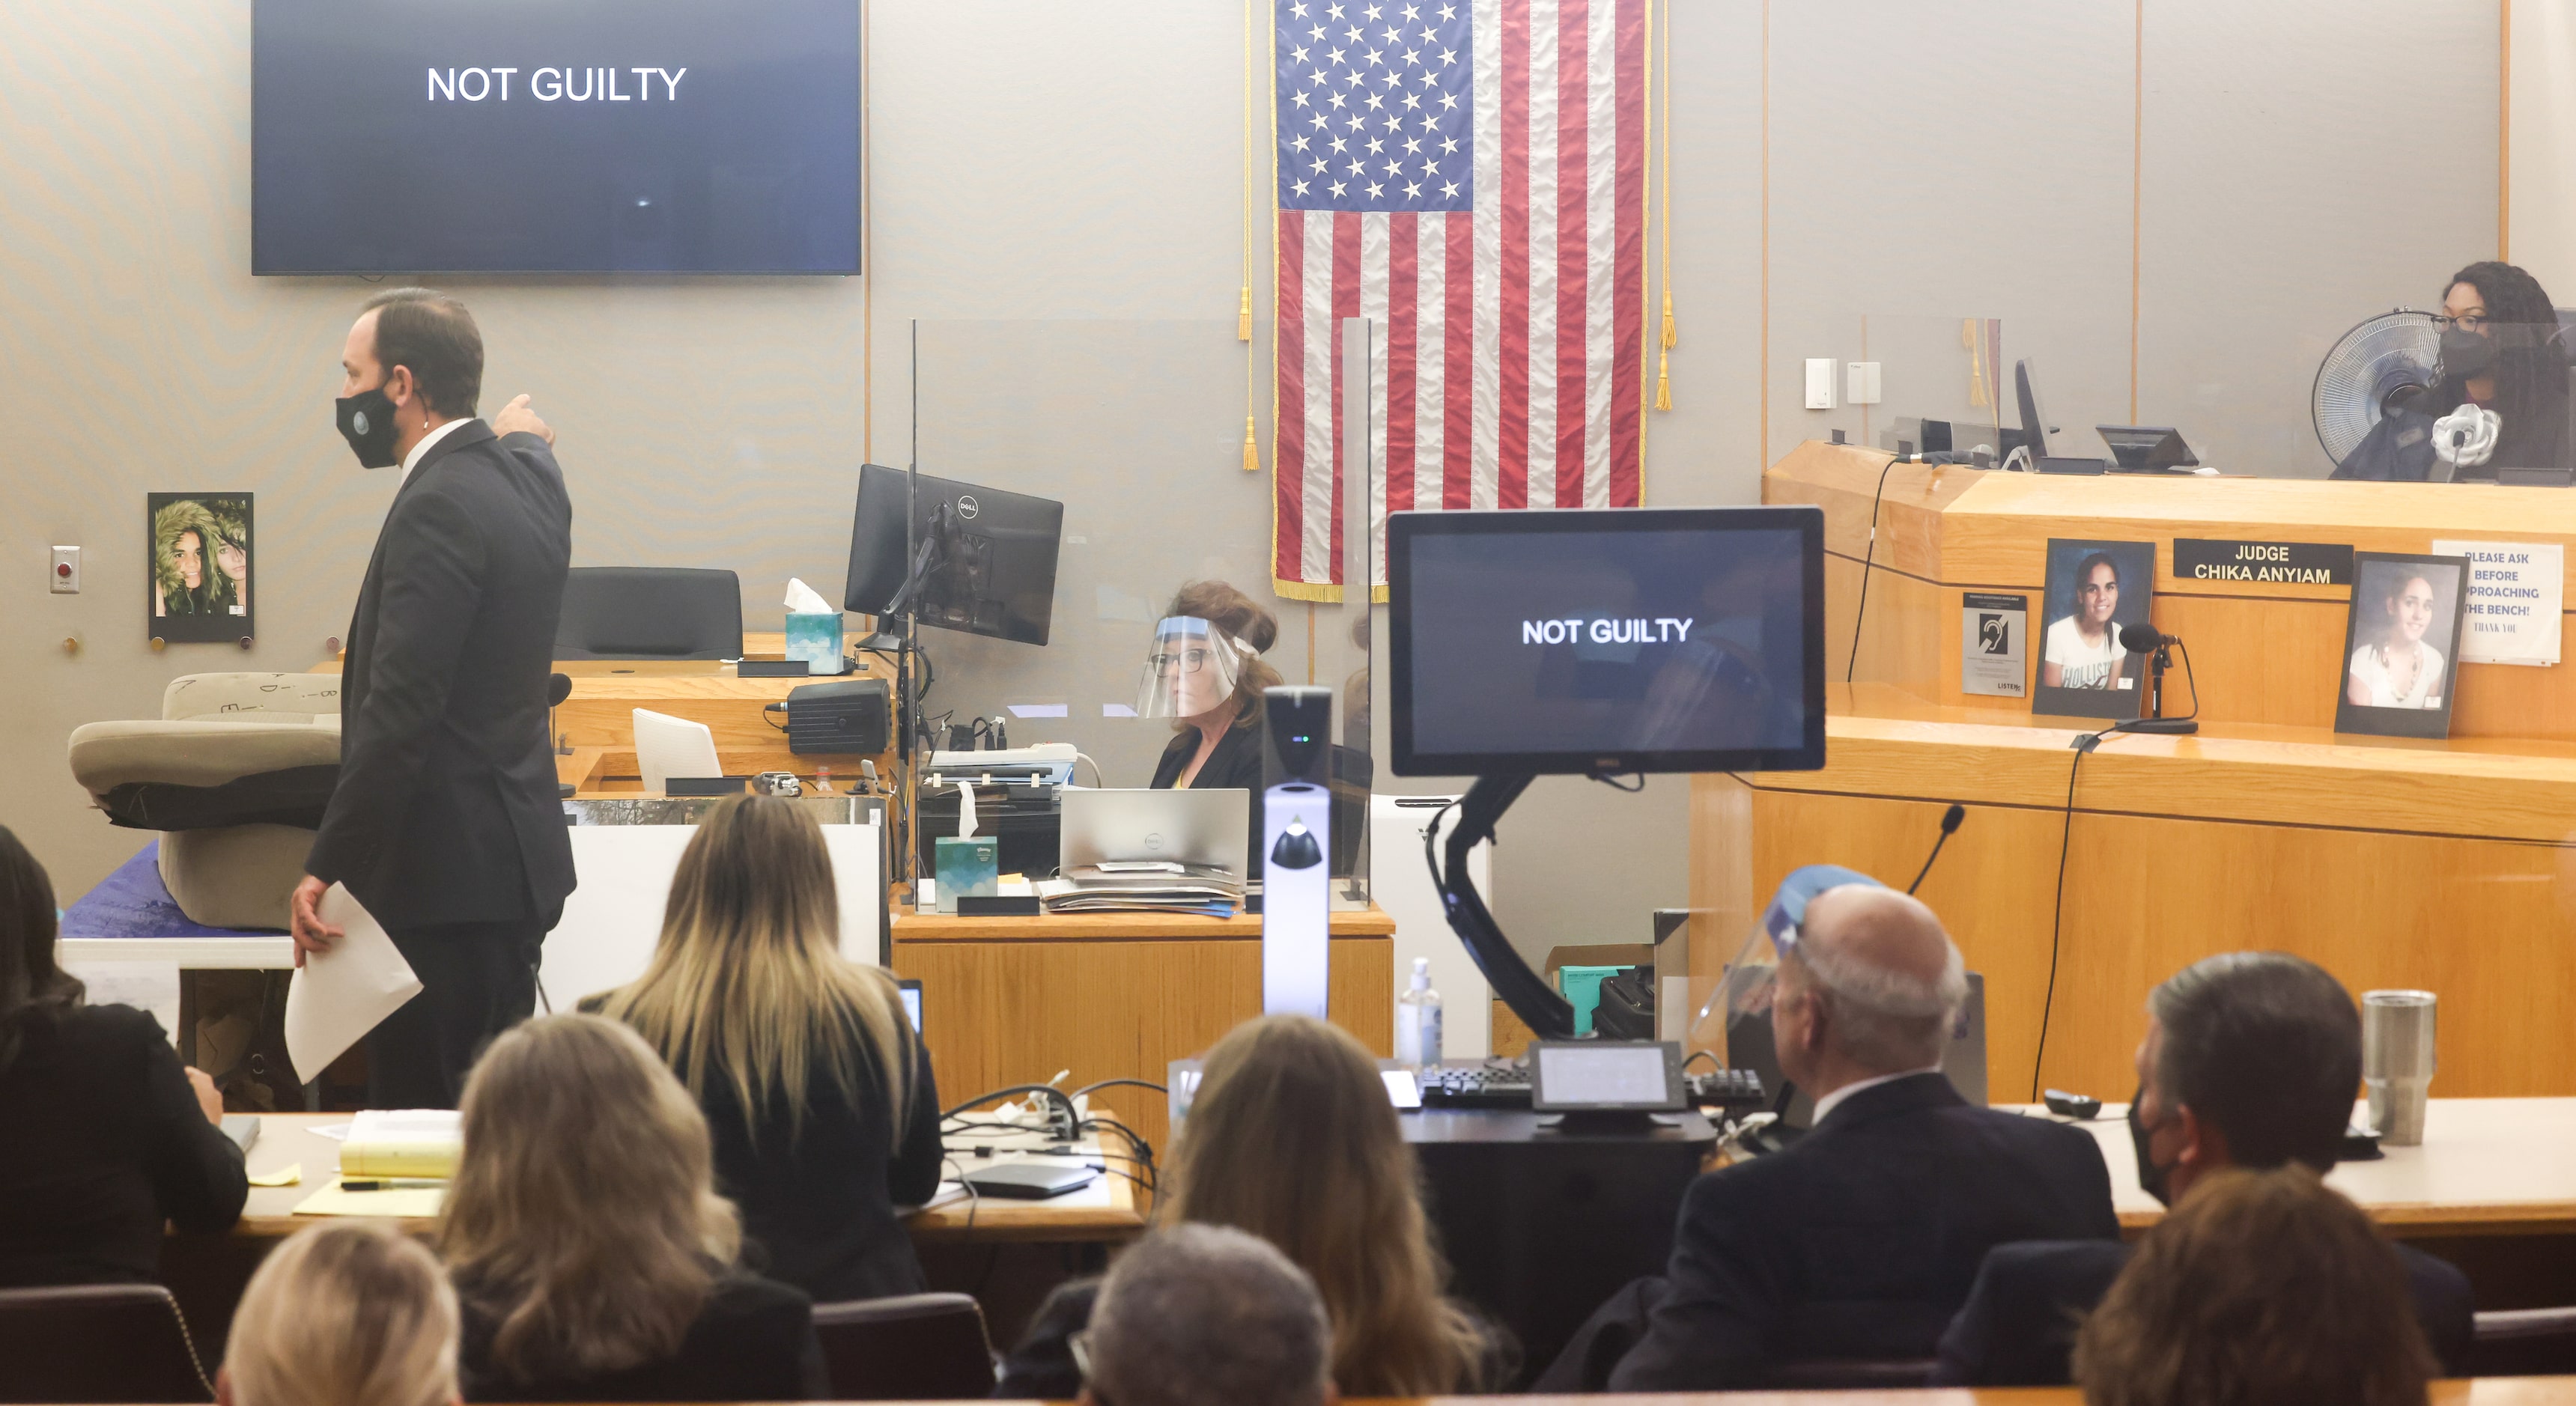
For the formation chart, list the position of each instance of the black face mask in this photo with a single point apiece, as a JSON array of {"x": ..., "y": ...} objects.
[
  {"x": 2151, "y": 1178},
  {"x": 367, "y": 422},
  {"x": 2466, "y": 354}
]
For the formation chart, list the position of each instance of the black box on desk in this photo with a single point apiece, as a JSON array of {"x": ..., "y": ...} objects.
[{"x": 850, "y": 716}]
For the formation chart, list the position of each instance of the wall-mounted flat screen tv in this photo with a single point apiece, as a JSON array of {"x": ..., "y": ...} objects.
[{"x": 567, "y": 136}]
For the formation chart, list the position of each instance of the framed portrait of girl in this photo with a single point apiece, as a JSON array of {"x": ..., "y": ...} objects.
[
  {"x": 197, "y": 573},
  {"x": 2093, "y": 589},
  {"x": 2401, "y": 655}
]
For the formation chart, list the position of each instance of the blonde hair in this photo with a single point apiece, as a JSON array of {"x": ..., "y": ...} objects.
[
  {"x": 584, "y": 1216},
  {"x": 2261, "y": 1288},
  {"x": 1291, "y": 1138},
  {"x": 349, "y": 1314},
  {"x": 748, "y": 977}
]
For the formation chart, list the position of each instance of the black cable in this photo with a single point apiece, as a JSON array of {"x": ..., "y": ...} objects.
[
  {"x": 1703, "y": 1054},
  {"x": 2083, "y": 743},
  {"x": 1869, "y": 559},
  {"x": 1114, "y": 1083},
  {"x": 2188, "y": 677},
  {"x": 1612, "y": 782},
  {"x": 974, "y": 1198}
]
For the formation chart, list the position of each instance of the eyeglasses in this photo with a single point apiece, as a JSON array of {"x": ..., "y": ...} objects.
[
  {"x": 1188, "y": 661},
  {"x": 2472, "y": 322}
]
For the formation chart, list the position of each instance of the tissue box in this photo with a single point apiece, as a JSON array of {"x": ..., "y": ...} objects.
[
  {"x": 816, "y": 639},
  {"x": 971, "y": 868}
]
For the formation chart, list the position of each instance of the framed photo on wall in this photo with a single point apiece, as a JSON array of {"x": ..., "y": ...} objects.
[
  {"x": 2093, "y": 588},
  {"x": 197, "y": 567},
  {"x": 2401, "y": 654}
]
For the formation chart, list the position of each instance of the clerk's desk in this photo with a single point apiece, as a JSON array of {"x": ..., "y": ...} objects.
[{"x": 2449, "y": 866}]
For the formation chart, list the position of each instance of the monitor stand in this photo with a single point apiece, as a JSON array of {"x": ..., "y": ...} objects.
[{"x": 1606, "y": 1122}]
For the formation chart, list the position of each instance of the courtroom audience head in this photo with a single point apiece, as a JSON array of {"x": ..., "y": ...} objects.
[
  {"x": 353, "y": 1313},
  {"x": 2250, "y": 1059},
  {"x": 32, "y": 986},
  {"x": 1203, "y": 1315},
  {"x": 435, "y": 339},
  {"x": 584, "y": 1219},
  {"x": 1870, "y": 988},
  {"x": 1241, "y": 618},
  {"x": 748, "y": 983},
  {"x": 2263, "y": 1288},
  {"x": 1291, "y": 1138}
]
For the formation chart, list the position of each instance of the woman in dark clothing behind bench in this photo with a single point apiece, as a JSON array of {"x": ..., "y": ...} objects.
[
  {"x": 103, "y": 1135},
  {"x": 750, "y": 1002}
]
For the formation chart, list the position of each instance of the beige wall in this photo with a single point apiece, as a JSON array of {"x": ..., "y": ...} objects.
[
  {"x": 2544, "y": 143},
  {"x": 1057, "y": 198}
]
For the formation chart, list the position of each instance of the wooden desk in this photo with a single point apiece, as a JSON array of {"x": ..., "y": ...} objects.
[
  {"x": 2264, "y": 653},
  {"x": 2487, "y": 1166},
  {"x": 1114, "y": 996},
  {"x": 2444, "y": 866},
  {"x": 2484, "y": 1391}
]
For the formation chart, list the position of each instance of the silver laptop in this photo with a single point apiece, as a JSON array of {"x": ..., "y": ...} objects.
[{"x": 1194, "y": 827}]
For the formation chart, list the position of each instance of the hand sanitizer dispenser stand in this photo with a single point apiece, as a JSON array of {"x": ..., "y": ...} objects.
[{"x": 1297, "y": 848}]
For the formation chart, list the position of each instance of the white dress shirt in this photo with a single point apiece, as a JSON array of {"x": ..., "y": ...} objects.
[
  {"x": 433, "y": 437},
  {"x": 1834, "y": 1100}
]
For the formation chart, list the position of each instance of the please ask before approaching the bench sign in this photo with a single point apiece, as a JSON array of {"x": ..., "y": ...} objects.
[{"x": 2264, "y": 563}]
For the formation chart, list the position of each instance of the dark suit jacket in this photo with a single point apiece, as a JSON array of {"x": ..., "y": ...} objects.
[
  {"x": 2018, "y": 1326},
  {"x": 446, "y": 811},
  {"x": 101, "y": 1140},
  {"x": 754, "y": 1341},
  {"x": 1861, "y": 1239},
  {"x": 1236, "y": 761}
]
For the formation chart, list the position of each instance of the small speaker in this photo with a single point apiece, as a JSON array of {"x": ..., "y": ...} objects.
[{"x": 852, "y": 716}]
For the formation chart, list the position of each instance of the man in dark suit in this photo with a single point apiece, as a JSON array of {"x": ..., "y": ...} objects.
[
  {"x": 446, "y": 823},
  {"x": 1858, "y": 1241},
  {"x": 2250, "y": 1060}
]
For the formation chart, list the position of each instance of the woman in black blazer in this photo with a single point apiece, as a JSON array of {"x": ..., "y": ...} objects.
[
  {"x": 104, "y": 1137},
  {"x": 1218, "y": 744},
  {"x": 814, "y": 1085}
]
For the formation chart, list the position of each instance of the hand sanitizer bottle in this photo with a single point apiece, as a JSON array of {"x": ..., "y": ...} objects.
[{"x": 1417, "y": 1020}]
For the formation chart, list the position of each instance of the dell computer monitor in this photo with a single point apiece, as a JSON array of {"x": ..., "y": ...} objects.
[
  {"x": 992, "y": 558},
  {"x": 2034, "y": 425},
  {"x": 1607, "y": 640}
]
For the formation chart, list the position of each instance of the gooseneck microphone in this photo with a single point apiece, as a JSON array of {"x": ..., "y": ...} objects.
[
  {"x": 2144, "y": 639},
  {"x": 1949, "y": 826},
  {"x": 2158, "y": 647}
]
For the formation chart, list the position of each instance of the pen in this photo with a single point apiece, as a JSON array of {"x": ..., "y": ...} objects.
[{"x": 387, "y": 1184}]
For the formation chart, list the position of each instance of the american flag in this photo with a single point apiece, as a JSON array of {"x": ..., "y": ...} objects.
[{"x": 1470, "y": 176}]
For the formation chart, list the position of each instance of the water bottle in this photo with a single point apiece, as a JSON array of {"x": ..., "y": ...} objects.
[{"x": 1417, "y": 1020}]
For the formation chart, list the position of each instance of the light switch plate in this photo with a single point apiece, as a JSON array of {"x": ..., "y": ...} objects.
[
  {"x": 1820, "y": 383},
  {"x": 65, "y": 572},
  {"x": 1860, "y": 383}
]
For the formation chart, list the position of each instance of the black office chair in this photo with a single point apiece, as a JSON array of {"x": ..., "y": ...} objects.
[
  {"x": 650, "y": 612},
  {"x": 97, "y": 1342},
  {"x": 2524, "y": 1342},
  {"x": 912, "y": 1347}
]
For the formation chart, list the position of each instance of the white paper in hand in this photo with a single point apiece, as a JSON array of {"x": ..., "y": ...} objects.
[{"x": 340, "y": 995}]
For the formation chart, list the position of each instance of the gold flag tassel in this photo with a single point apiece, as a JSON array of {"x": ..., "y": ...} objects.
[
  {"x": 1669, "y": 339},
  {"x": 1664, "y": 379},
  {"x": 1243, "y": 317},
  {"x": 1251, "y": 448}
]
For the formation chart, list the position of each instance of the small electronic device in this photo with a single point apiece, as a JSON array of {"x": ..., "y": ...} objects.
[
  {"x": 1297, "y": 846},
  {"x": 771, "y": 669},
  {"x": 2147, "y": 448},
  {"x": 1606, "y": 1076},
  {"x": 2054, "y": 465},
  {"x": 2066, "y": 1105},
  {"x": 1028, "y": 1181},
  {"x": 911, "y": 992},
  {"x": 667, "y": 747},
  {"x": 988, "y": 556},
  {"x": 1607, "y": 641},
  {"x": 706, "y": 785},
  {"x": 1402, "y": 1089},
  {"x": 1477, "y": 1086},
  {"x": 853, "y": 715},
  {"x": 1211, "y": 827}
]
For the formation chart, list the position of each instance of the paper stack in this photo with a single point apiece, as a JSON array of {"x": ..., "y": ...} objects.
[{"x": 1144, "y": 886}]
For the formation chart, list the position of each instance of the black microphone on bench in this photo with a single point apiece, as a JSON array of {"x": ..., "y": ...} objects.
[{"x": 1949, "y": 826}]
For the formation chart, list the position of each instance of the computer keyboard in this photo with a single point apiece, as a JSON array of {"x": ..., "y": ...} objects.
[{"x": 1508, "y": 1086}]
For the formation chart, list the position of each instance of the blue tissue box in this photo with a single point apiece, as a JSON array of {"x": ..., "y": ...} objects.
[
  {"x": 816, "y": 639},
  {"x": 967, "y": 868}
]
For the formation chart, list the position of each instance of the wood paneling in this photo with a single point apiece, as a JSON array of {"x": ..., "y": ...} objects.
[
  {"x": 2443, "y": 868},
  {"x": 999, "y": 1011},
  {"x": 2262, "y": 653}
]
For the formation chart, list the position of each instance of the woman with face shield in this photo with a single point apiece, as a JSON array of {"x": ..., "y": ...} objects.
[
  {"x": 1205, "y": 673},
  {"x": 2399, "y": 670},
  {"x": 2499, "y": 392}
]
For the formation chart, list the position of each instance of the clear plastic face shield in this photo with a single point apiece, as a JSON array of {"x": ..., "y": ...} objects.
[
  {"x": 1751, "y": 982},
  {"x": 1190, "y": 670}
]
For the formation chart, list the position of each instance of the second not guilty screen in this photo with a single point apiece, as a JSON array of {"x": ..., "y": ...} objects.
[{"x": 1607, "y": 641}]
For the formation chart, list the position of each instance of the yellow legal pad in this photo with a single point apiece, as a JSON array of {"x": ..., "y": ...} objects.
[{"x": 402, "y": 1200}]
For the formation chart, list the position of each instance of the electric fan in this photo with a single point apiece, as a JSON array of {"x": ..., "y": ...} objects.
[{"x": 2380, "y": 359}]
